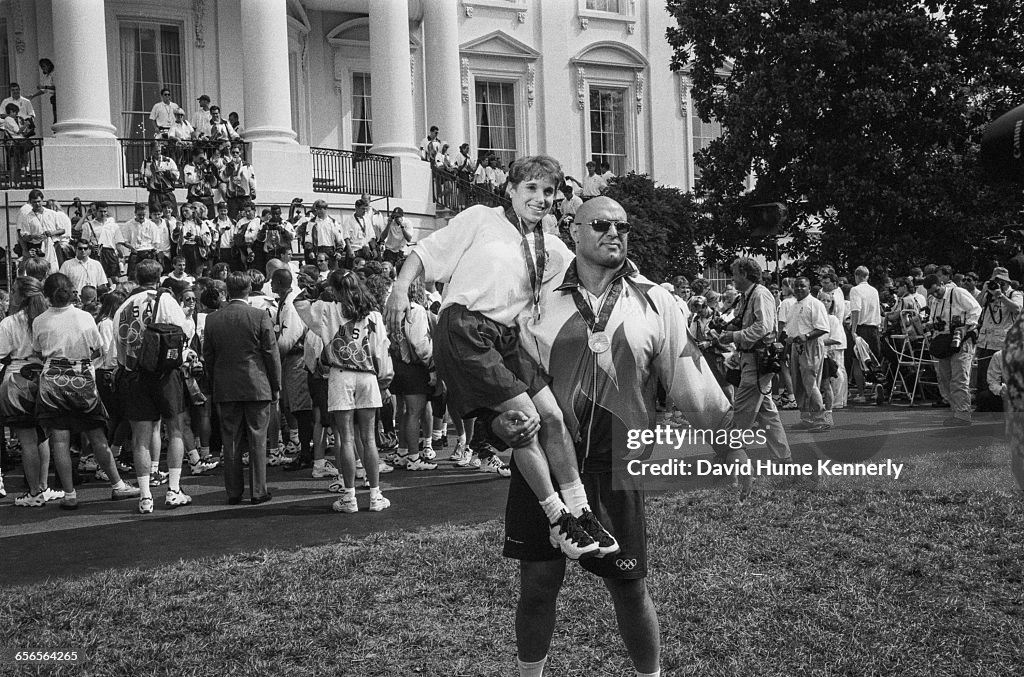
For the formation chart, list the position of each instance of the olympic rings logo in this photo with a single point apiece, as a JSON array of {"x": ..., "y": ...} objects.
[
  {"x": 348, "y": 352},
  {"x": 626, "y": 564}
]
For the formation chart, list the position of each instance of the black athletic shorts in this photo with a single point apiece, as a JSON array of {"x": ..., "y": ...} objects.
[
  {"x": 150, "y": 397},
  {"x": 621, "y": 513},
  {"x": 479, "y": 361}
]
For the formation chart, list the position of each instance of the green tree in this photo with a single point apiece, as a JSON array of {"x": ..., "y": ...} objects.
[
  {"x": 865, "y": 116},
  {"x": 666, "y": 236}
]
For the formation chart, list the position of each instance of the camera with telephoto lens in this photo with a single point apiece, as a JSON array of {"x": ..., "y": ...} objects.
[
  {"x": 992, "y": 285},
  {"x": 769, "y": 357}
]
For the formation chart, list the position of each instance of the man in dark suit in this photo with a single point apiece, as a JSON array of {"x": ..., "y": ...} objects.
[{"x": 245, "y": 370}]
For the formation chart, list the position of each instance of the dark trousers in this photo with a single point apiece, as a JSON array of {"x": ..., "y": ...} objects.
[
  {"x": 249, "y": 419},
  {"x": 157, "y": 202}
]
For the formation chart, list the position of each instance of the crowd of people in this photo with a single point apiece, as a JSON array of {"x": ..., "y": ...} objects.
[{"x": 936, "y": 334}]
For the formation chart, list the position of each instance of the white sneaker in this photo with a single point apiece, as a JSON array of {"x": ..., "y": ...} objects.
[
  {"x": 3, "y": 489},
  {"x": 30, "y": 500},
  {"x": 203, "y": 467},
  {"x": 379, "y": 503},
  {"x": 328, "y": 470},
  {"x": 462, "y": 455},
  {"x": 348, "y": 505},
  {"x": 493, "y": 464},
  {"x": 336, "y": 487},
  {"x": 88, "y": 463},
  {"x": 360, "y": 470},
  {"x": 101, "y": 475},
  {"x": 175, "y": 499},
  {"x": 245, "y": 459},
  {"x": 49, "y": 494},
  {"x": 383, "y": 468},
  {"x": 400, "y": 460},
  {"x": 470, "y": 461},
  {"x": 145, "y": 505},
  {"x": 428, "y": 452},
  {"x": 420, "y": 464},
  {"x": 277, "y": 457}
]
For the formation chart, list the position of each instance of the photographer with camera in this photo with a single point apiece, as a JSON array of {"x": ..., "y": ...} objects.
[
  {"x": 1000, "y": 307},
  {"x": 752, "y": 331},
  {"x": 952, "y": 332}
]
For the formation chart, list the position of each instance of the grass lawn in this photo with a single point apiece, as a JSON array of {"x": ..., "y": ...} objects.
[{"x": 855, "y": 579}]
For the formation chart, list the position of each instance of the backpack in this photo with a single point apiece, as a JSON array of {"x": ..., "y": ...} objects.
[{"x": 163, "y": 345}]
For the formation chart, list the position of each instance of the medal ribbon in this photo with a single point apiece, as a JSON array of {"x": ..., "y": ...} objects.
[
  {"x": 598, "y": 323},
  {"x": 536, "y": 269}
]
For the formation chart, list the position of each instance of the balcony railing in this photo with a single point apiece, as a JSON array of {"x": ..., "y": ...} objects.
[
  {"x": 455, "y": 192},
  {"x": 22, "y": 165},
  {"x": 352, "y": 172},
  {"x": 135, "y": 152}
]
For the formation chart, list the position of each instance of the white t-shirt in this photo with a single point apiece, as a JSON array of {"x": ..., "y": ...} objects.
[
  {"x": 836, "y": 333},
  {"x": 15, "y": 342},
  {"x": 808, "y": 315},
  {"x": 89, "y": 272},
  {"x": 66, "y": 332},
  {"x": 785, "y": 308},
  {"x": 479, "y": 256},
  {"x": 864, "y": 298}
]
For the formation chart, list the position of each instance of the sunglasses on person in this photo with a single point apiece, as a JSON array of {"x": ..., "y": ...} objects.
[
  {"x": 84, "y": 248},
  {"x": 603, "y": 225}
]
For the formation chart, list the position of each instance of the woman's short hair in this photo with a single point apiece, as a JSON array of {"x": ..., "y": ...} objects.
[{"x": 536, "y": 167}]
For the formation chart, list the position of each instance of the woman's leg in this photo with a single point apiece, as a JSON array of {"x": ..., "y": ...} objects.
[
  {"x": 60, "y": 446},
  {"x": 345, "y": 446},
  {"x": 29, "y": 440},
  {"x": 414, "y": 406},
  {"x": 365, "y": 419},
  {"x": 98, "y": 442}
]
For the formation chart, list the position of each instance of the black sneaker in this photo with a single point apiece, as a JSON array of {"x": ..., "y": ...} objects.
[
  {"x": 567, "y": 535},
  {"x": 606, "y": 543},
  {"x": 485, "y": 449}
]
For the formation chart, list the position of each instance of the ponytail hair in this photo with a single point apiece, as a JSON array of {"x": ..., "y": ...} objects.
[
  {"x": 28, "y": 297},
  {"x": 350, "y": 292}
]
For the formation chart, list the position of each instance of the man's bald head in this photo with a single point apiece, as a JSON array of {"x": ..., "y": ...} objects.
[
  {"x": 274, "y": 264},
  {"x": 605, "y": 245},
  {"x": 600, "y": 206}
]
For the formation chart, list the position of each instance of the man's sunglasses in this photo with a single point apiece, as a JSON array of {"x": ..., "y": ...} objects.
[
  {"x": 602, "y": 226},
  {"x": 84, "y": 249}
]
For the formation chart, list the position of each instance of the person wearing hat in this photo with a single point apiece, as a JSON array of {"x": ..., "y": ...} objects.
[
  {"x": 952, "y": 330},
  {"x": 201, "y": 118},
  {"x": 1000, "y": 307}
]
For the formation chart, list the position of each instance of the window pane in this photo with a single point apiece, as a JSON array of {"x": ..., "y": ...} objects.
[
  {"x": 150, "y": 59},
  {"x": 608, "y": 127},
  {"x": 496, "y": 120},
  {"x": 703, "y": 134},
  {"x": 362, "y": 115}
]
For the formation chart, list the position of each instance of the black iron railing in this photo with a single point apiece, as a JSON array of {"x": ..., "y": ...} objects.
[
  {"x": 456, "y": 192},
  {"x": 353, "y": 172},
  {"x": 22, "y": 165},
  {"x": 136, "y": 152}
]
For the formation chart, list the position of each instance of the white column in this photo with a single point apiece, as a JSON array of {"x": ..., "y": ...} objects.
[
  {"x": 265, "y": 65},
  {"x": 444, "y": 91},
  {"x": 393, "y": 132},
  {"x": 81, "y": 64}
]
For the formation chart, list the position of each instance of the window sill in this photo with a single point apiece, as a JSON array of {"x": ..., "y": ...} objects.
[
  {"x": 586, "y": 15},
  {"x": 517, "y": 6}
]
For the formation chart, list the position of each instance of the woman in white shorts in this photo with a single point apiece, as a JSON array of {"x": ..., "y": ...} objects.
[{"x": 356, "y": 350}]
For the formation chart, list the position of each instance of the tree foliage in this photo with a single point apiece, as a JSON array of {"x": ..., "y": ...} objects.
[
  {"x": 865, "y": 116},
  {"x": 666, "y": 234}
]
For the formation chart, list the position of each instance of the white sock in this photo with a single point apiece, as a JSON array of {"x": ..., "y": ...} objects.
[
  {"x": 656, "y": 673},
  {"x": 71, "y": 494},
  {"x": 425, "y": 442},
  {"x": 375, "y": 492},
  {"x": 174, "y": 479},
  {"x": 144, "y": 490},
  {"x": 553, "y": 508},
  {"x": 350, "y": 494},
  {"x": 154, "y": 467},
  {"x": 462, "y": 438},
  {"x": 403, "y": 452},
  {"x": 193, "y": 456},
  {"x": 319, "y": 463},
  {"x": 575, "y": 497},
  {"x": 435, "y": 435},
  {"x": 532, "y": 669}
]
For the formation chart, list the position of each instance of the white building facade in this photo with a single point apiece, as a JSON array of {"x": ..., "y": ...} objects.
[{"x": 576, "y": 79}]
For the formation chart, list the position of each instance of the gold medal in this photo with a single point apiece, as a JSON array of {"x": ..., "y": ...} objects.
[{"x": 599, "y": 342}]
